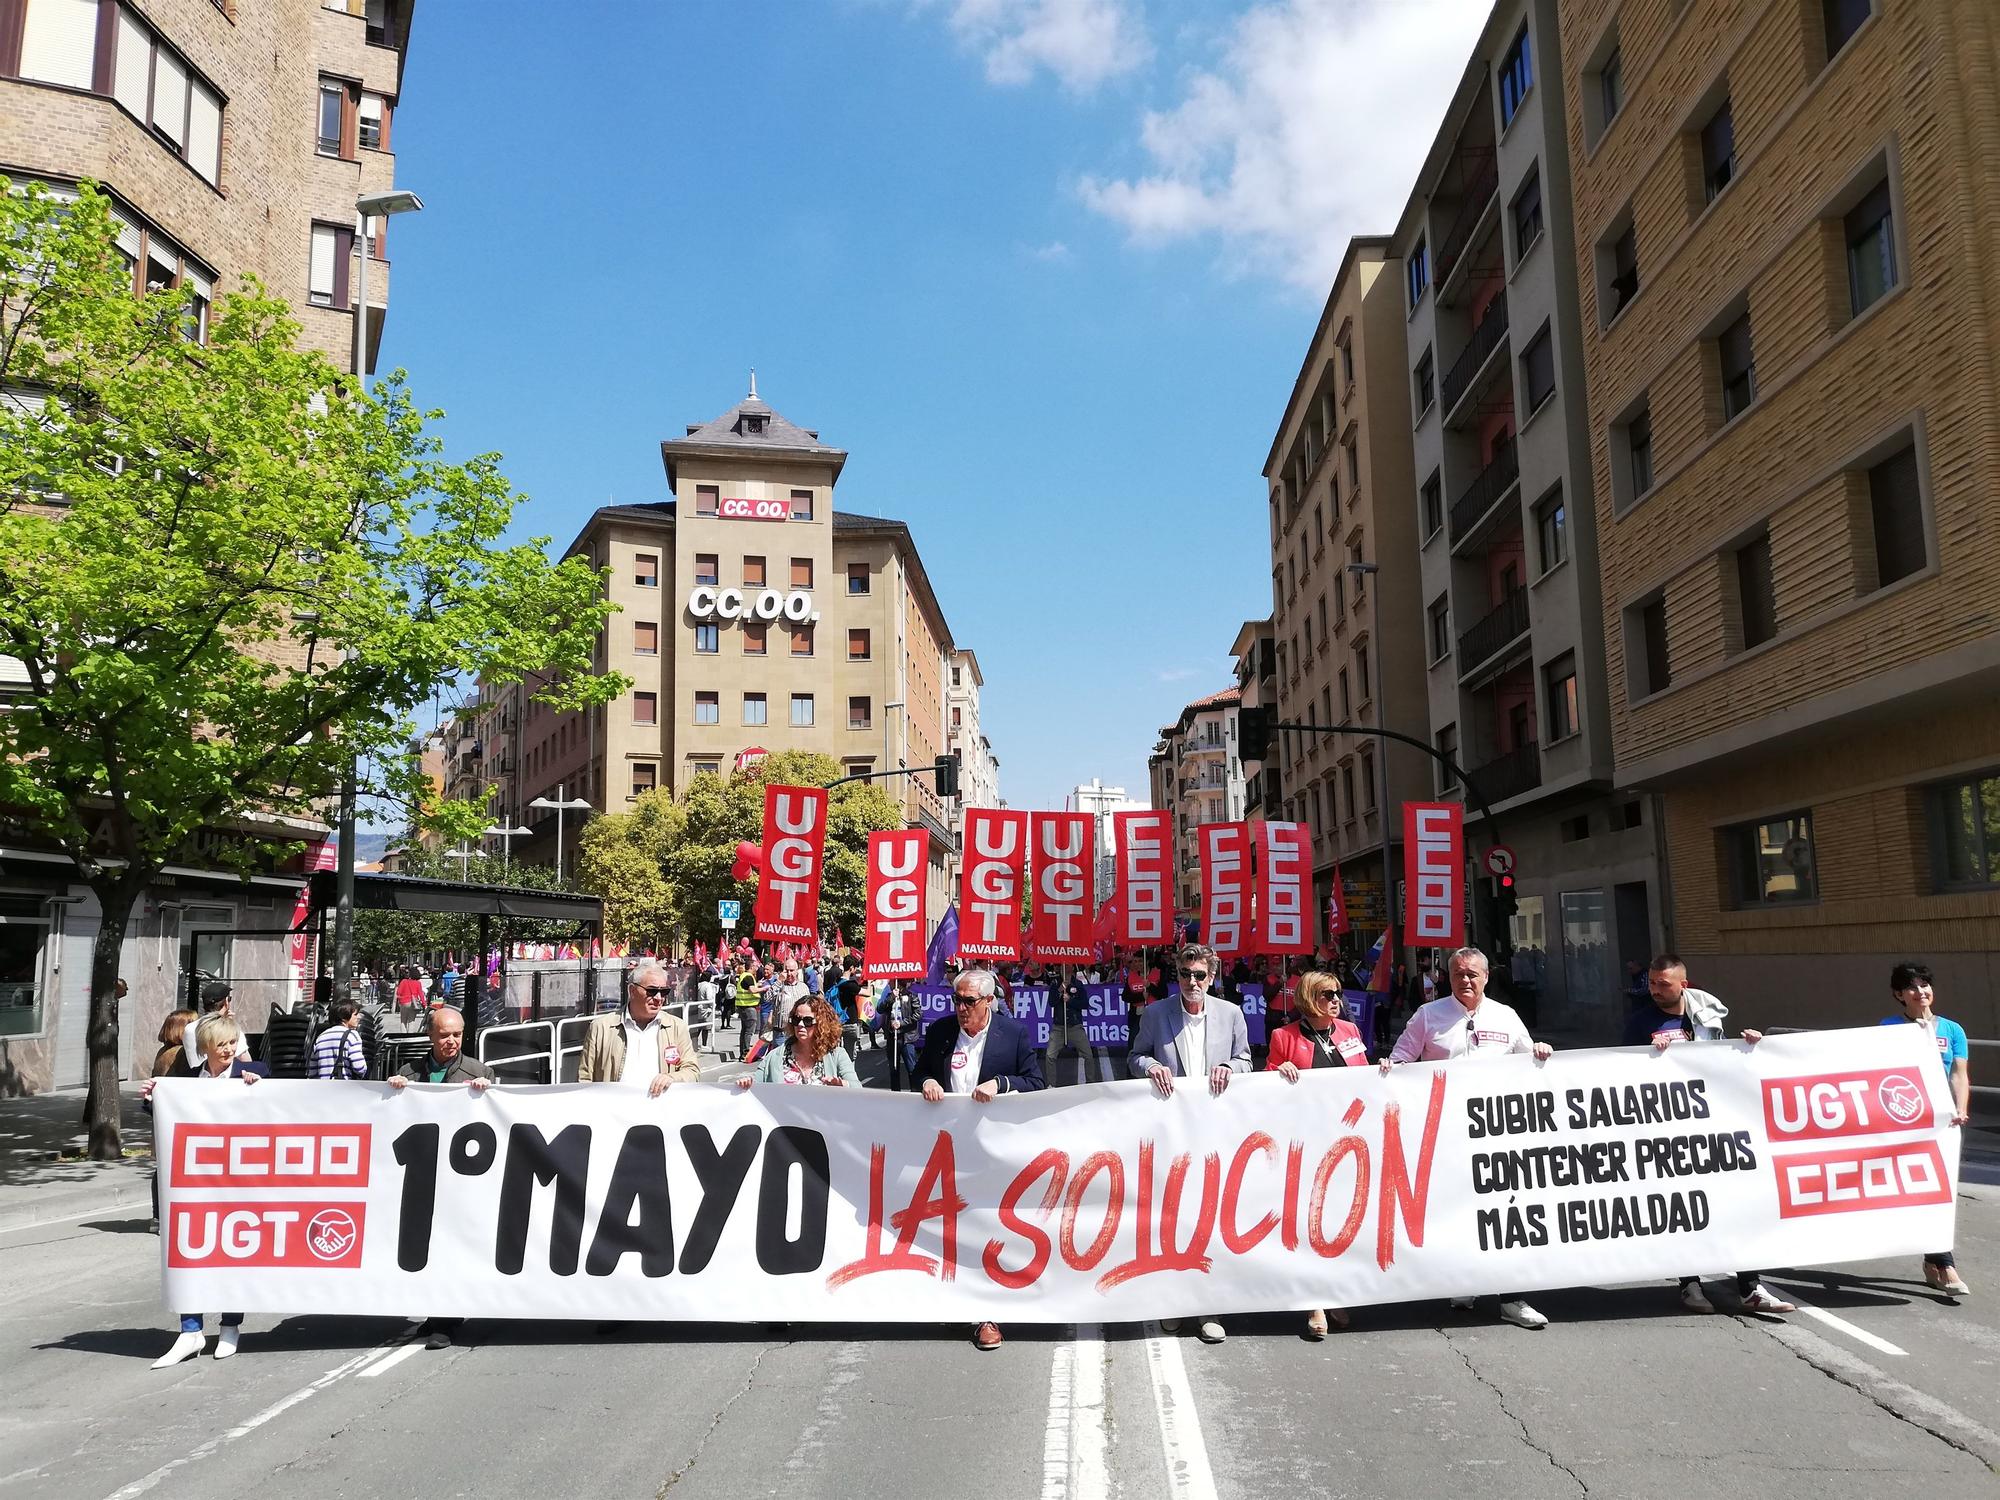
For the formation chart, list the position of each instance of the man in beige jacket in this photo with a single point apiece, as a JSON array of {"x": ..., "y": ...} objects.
[{"x": 638, "y": 1046}]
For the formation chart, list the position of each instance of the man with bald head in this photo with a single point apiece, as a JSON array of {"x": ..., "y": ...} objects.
[
  {"x": 446, "y": 1062},
  {"x": 639, "y": 1045}
]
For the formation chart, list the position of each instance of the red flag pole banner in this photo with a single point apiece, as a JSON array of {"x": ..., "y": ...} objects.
[
  {"x": 1434, "y": 872},
  {"x": 992, "y": 884},
  {"x": 1145, "y": 876},
  {"x": 1336, "y": 908},
  {"x": 1225, "y": 886},
  {"x": 1284, "y": 889},
  {"x": 794, "y": 862},
  {"x": 1065, "y": 875},
  {"x": 855, "y": 1206},
  {"x": 893, "y": 945}
]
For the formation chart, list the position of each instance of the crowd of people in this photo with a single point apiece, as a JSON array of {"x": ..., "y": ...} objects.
[{"x": 804, "y": 1027}]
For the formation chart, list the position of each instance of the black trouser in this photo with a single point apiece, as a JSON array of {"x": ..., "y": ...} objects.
[
  {"x": 1746, "y": 1282},
  {"x": 746, "y": 1030},
  {"x": 1942, "y": 1260}
]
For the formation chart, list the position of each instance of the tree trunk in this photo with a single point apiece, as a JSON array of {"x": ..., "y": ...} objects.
[{"x": 101, "y": 1110}]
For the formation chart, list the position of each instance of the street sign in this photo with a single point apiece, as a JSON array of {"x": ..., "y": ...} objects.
[
  {"x": 729, "y": 924},
  {"x": 1499, "y": 860},
  {"x": 730, "y": 911}
]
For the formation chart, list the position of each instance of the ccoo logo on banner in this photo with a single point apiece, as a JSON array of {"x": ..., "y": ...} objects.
[
  {"x": 991, "y": 887},
  {"x": 1225, "y": 887},
  {"x": 1145, "y": 876},
  {"x": 1065, "y": 876},
  {"x": 794, "y": 860},
  {"x": 1284, "y": 888},
  {"x": 1434, "y": 874},
  {"x": 894, "y": 947}
]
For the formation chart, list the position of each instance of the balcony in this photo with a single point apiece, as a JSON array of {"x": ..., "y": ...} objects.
[
  {"x": 1509, "y": 775},
  {"x": 1479, "y": 498},
  {"x": 1503, "y": 625},
  {"x": 1488, "y": 336},
  {"x": 1480, "y": 192}
]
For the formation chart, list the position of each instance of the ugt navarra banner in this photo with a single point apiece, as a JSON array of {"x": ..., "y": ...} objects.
[
  {"x": 1094, "y": 1203},
  {"x": 787, "y": 908}
]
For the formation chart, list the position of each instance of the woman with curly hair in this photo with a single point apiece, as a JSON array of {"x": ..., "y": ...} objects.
[{"x": 811, "y": 1051}]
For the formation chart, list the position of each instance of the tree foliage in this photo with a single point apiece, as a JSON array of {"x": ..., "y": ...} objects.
[
  {"x": 228, "y": 575},
  {"x": 385, "y": 939}
]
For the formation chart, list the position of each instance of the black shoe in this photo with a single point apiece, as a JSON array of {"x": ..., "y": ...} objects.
[{"x": 440, "y": 1339}]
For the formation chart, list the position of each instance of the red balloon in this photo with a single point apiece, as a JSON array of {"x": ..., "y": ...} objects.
[{"x": 749, "y": 858}]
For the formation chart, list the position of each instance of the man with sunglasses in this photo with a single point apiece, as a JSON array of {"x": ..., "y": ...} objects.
[
  {"x": 1192, "y": 1037},
  {"x": 981, "y": 1055},
  {"x": 639, "y": 1047}
]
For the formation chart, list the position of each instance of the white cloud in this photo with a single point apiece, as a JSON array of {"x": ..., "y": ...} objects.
[
  {"x": 1051, "y": 253},
  {"x": 1082, "y": 42},
  {"x": 1176, "y": 674},
  {"x": 1309, "y": 130}
]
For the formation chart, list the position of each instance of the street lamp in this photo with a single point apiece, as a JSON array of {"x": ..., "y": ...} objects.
[
  {"x": 561, "y": 804},
  {"x": 368, "y": 205},
  {"x": 463, "y": 854},
  {"x": 506, "y": 849}
]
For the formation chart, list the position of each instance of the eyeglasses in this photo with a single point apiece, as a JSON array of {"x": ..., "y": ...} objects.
[
  {"x": 805, "y": 1020},
  {"x": 1194, "y": 973},
  {"x": 656, "y": 991},
  {"x": 965, "y": 1000}
]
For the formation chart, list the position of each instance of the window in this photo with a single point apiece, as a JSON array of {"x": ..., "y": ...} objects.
[
  {"x": 372, "y": 123},
  {"x": 1632, "y": 442},
  {"x": 756, "y": 636},
  {"x": 802, "y": 505},
  {"x": 1353, "y": 471},
  {"x": 753, "y": 572},
  {"x": 860, "y": 713},
  {"x": 1756, "y": 597},
  {"x": 1559, "y": 678},
  {"x": 707, "y": 570},
  {"x": 1527, "y": 214},
  {"x": 1440, "y": 628},
  {"x": 802, "y": 572},
  {"x": 1433, "y": 497},
  {"x": 645, "y": 777},
  {"x": 1322, "y": 619},
  {"x": 1426, "y": 383},
  {"x": 707, "y": 500},
  {"x": 1773, "y": 860},
  {"x": 707, "y": 708},
  {"x": 857, "y": 578},
  {"x": 1896, "y": 509},
  {"x": 1309, "y": 637},
  {"x": 149, "y": 80},
  {"x": 802, "y": 710},
  {"x": 646, "y": 638},
  {"x": 1346, "y": 698},
  {"x": 1419, "y": 273},
  {"x": 332, "y": 110},
  {"x": 1538, "y": 370},
  {"x": 756, "y": 710},
  {"x": 1347, "y": 790},
  {"x": 1367, "y": 781},
  {"x": 1871, "y": 249},
  {"x": 332, "y": 248},
  {"x": 1611, "y": 86},
  {"x": 377, "y": 13},
  {"x": 59, "y": 42},
  {"x": 1619, "y": 258},
  {"x": 1361, "y": 672},
  {"x": 1552, "y": 530},
  {"x": 802, "y": 639},
  {"x": 858, "y": 645},
  {"x": 24, "y": 935},
  {"x": 1517, "y": 76},
  {"x": 1647, "y": 667},
  {"x": 1447, "y": 746},
  {"x": 1736, "y": 360},
  {"x": 1965, "y": 821},
  {"x": 646, "y": 570},
  {"x": 707, "y": 640},
  {"x": 1347, "y": 350},
  {"x": 1843, "y": 18},
  {"x": 646, "y": 708},
  {"x": 1575, "y": 830},
  {"x": 1718, "y": 152}
]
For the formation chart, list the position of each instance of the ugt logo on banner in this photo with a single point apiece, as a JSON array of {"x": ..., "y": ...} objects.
[
  {"x": 1284, "y": 889},
  {"x": 996, "y": 872},
  {"x": 1065, "y": 874},
  {"x": 1145, "y": 866},
  {"x": 894, "y": 948},
  {"x": 1434, "y": 871},
  {"x": 1225, "y": 886},
  {"x": 794, "y": 861}
]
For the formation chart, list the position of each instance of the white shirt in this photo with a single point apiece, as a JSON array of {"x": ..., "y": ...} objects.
[
  {"x": 1445, "y": 1029},
  {"x": 966, "y": 1055},
  {"x": 642, "y": 1052},
  {"x": 1192, "y": 1044}
]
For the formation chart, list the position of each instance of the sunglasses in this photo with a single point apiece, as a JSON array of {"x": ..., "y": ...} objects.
[
  {"x": 965, "y": 1000},
  {"x": 1194, "y": 973},
  {"x": 805, "y": 1020},
  {"x": 657, "y": 991}
]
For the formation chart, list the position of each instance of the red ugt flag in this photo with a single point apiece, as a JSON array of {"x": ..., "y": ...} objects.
[
  {"x": 893, "y": 947},
  {"x": 794, "y": 862},
  {"x": 1225, "y": 886},
  {"x": 992, "y": 884},
  {"x": 1065, "y": 876}
]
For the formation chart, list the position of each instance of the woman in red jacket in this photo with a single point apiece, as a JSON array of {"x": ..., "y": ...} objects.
[{"x": 1320, "y": 1038}]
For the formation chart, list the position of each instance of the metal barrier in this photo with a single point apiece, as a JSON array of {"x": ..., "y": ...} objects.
[
  {"x": 552, "y": 1051},
  {"x": 514, "y": 1062}
]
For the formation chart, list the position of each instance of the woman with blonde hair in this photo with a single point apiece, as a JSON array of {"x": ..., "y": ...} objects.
[
  {"x": 811, "y": 1051},
  {"x": 1322, "y": 1037}
]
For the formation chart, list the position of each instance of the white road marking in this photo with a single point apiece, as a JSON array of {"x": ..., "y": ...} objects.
[
  {"x": 1188, "y": 1474},
  {"x": 1073, "y": 1448},
  {"x": 382, "y": 1366},
  {"x": 275, "y": 1409},
  {"x": 1858, "y": 1334}
]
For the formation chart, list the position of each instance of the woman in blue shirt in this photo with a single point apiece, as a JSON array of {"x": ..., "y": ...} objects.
[{"x": 1910, "y": 983}]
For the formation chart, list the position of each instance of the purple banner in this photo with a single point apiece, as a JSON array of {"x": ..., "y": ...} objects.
[{"x": 1105, "y": 1023}]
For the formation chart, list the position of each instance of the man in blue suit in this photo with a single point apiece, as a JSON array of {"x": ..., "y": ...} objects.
[{"x": 981, "y": 1055}]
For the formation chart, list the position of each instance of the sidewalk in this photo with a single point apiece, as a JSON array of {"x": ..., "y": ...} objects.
[{"x": 38, "y": 1188}]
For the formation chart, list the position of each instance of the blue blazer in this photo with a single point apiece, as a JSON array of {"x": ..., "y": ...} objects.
[{"x": 1009, "y": 1056}]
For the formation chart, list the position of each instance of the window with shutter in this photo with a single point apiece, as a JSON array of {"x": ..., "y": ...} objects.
[
  {"x": 170, "y": 98},
  {"x": 319, "y": 281},
  {"x": 59, "y": 42},
  {"x": 204, "y": 143},
  {"x": 132, "y": 68}
]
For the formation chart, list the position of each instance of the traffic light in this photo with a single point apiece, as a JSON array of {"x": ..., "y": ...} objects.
[
  {"x": 1253, "y": 732},
  {"x": 1504, "y": 904},
  {"x": 946, "y": 767}
]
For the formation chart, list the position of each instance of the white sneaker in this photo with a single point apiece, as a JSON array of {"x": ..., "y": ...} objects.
[
  {"x": 225, "y": 1341},
  {"x": 1763, "y": 1300},
  {"x": 1521, "y": 1315},
  {"x": 187, "y": 1346},
  {"x": 1694, "y": 1299},
  {"x": 1212, "y": 1332}
]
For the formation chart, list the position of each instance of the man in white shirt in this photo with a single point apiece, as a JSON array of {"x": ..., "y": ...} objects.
[
  {"x": 638, "y": 1046},
  {"x": 1466, "y": 1024}
]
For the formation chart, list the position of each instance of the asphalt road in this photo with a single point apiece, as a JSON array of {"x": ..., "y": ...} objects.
[{"x": 1891, "y": 1391}]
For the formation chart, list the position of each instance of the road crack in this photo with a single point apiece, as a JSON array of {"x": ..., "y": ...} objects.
[
  {"x": 749, "y": 1379},
  {"x": 1500, "y": 1398}
]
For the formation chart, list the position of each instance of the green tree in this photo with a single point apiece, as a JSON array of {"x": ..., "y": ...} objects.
[
  {"x": 228, "y": 576},
  {"x": 623, "y": 861}
]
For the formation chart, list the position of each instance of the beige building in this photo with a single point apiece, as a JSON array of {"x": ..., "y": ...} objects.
[
  {"x": 1198, "y": 777},
  {"x": 1786, "y": 232},
  {"x": 752, "y": 618},
  {"x": 1343, "y": 532},
  {"x": 233, "y": 138}
]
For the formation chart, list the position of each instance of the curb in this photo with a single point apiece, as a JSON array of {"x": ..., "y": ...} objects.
[{"x": 39, "y": 1206}]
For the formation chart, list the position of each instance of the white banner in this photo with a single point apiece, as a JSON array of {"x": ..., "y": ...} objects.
[{"x": 1099, "y": 1203}]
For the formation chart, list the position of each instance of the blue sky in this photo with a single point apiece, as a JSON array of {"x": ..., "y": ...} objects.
[{"x": 1045, "y": 268}]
